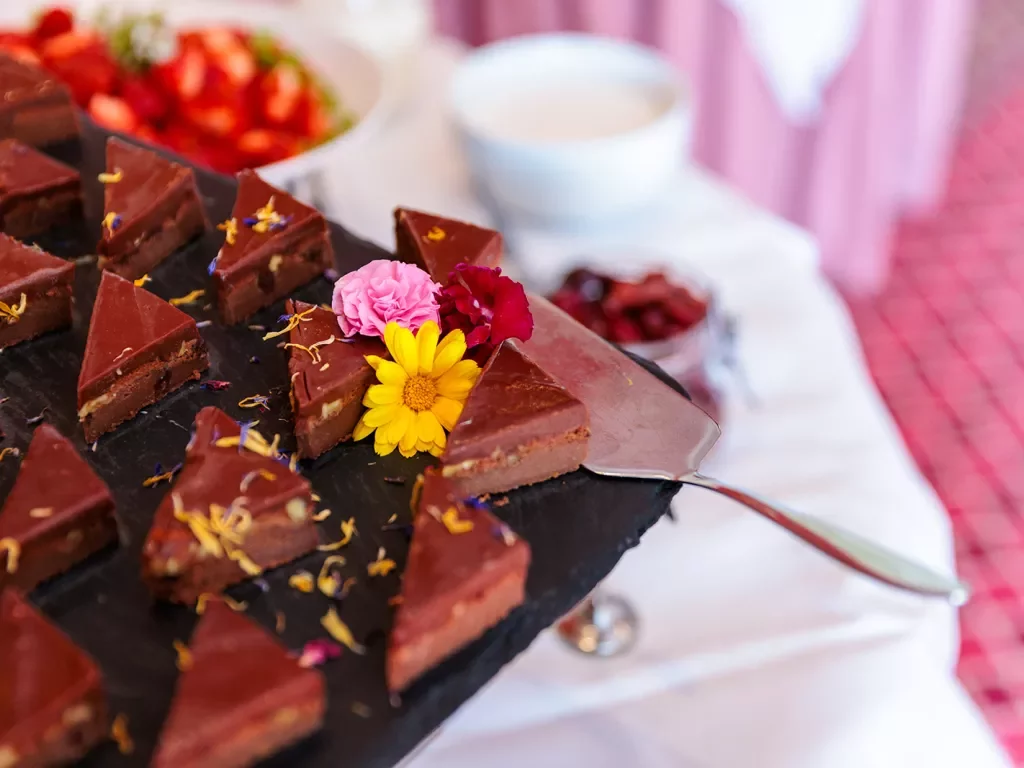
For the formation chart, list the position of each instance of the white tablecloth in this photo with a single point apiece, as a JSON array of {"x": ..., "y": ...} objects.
[{"x": 754, "y": 650}]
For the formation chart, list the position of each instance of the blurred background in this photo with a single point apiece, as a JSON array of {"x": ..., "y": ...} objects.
[{"x": 888, "y": 133}]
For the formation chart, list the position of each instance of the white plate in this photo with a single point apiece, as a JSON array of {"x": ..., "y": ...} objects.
[{"x": 351, "y": 74}]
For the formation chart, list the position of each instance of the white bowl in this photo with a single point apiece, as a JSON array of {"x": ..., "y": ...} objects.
[
  {"x": 350, "y": 73},
  {"x": 570, "y": 127}
]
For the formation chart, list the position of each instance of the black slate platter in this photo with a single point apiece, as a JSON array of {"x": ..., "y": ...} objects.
[{"x": 578, "y": 526}]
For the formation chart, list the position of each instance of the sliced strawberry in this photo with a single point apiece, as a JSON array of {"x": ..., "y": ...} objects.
[
  {"x": 220, "y": 156},
  {"x": 183, "y": 76},
  {"x": 69, "y": 43},
  {"x": 113, "y": 113},
  {"x": 87, "y": 71},
  {"x": 220, "y": 110},
  {"x": 20, "y": 52},
  {"x": 229, "y": 53},
  {"x": 312, "y": 119},
  {"x": 52, "y": 23},
  {"x": 281, "y": 90},
  {"x": 145, "y": 98},
  {"x": 260, "y": 146}
]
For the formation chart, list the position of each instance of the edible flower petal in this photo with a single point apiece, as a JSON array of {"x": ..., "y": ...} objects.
[
  {"x": 382, "y": 566},
  {"x": 119, "y": 733},
  {"x": 188, "y": 298},
  {"x": 382, "y": 292},
  {"x": 339, "y": 631},
  {"x": 406, "y": 409},
  {"x": 453, "y": 523},
  {"x": 11, "y": 313},
  {"x": 292, "y": 322},
  {"x": 230, "y": 230},
  {"x": 317, "y": 652},
  {"x": 303, "y": 581},
  {"x": 13, "y": 550},
  {"x": 184, "y": 659},
  {"x": 487, "y": 306},
  {"x": 326, "y": 581}
]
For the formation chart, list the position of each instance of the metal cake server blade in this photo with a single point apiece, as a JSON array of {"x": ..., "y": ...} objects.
[{"x": 641, "y": 428}]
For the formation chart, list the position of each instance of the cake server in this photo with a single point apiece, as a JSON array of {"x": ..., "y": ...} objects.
[{"x": 641, "y": 428}]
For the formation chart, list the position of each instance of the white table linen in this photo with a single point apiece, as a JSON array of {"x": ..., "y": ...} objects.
[{"x": 754, "y": 650}]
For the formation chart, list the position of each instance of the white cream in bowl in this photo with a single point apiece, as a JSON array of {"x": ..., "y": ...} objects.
[{"x": 571, "y": 127}]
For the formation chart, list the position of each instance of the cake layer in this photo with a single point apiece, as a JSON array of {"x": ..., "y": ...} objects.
[
  {"x": 530, "y": 463},
  {"x": 327, "y": 388},
  {"x": 45, "y": 281},
  {"x": 131, "y": 328},
  {"x": 272, "y": 272},
  {"x": 437, "y": 245},
  {"x": 52, "y": 707},
  {"x": 157, "y": 207},
  {"x": 465, "y": 572},
  {"x": 425, "y": 651},
  {"x": 141, "y": 387},
  {"x": 44, "y": 312},
  {"x": 35, "y": 108},
  {"x": 273, "y": 244},
  {"x": 36, "y": 191},
  {"x": 59, "y": 512},
  {"x": 518, "y": 427},
  {"x": 242, "y": 698},
  {"x": 273, "y": 523}
]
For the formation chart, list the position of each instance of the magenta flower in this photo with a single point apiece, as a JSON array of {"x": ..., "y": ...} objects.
[
  {"x": 487, "y": 306},
  {"x": 381, "y": 292}
]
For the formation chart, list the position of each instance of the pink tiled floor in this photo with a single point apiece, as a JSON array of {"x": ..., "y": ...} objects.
[{"x": 945, "y": 343}]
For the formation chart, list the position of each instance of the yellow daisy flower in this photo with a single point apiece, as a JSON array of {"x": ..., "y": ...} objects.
[{"x": 421, "y": 391}]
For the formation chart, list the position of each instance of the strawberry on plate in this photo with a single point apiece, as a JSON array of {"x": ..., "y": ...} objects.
[
  {"x": 145, "y": 97},
  {"x": 312, "y": 119},
  {"x": 225, "y": 97},
  {"x": 19, "y": 47},
  {"x": 185, "y": 75},
  {"x": 229, "y": 52},
  {"x": 220, "y": 108},
  {"x": 281, "y": 89},
  {"x": 260, "y": 146},
  {"x": 82, "y": 61},
  {"x": 53, "y": 22},
  {"x": 113, "y": 113}
]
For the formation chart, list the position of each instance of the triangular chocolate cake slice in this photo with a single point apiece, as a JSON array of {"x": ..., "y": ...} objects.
[
  {"x": 466, "y": 570},
  {"x": 328, "y": 381},
  {"x": 139, "y": 349},
  {"x": 52, "y": 707},
  {"x": 35, "y": 107},
  {"x": 437, "y": 244},
  {"x": 518, "y": 426},
  {"x": 36, "y": 192},
  {"x": 233, "y": 512},
  {"x": 45, "y": 282},
  {"x": 58, "y": 513},
  {"x": 242, "y": 697},
  {"x": 151, "y": 208},
  {"x": 273, "y": 244}
]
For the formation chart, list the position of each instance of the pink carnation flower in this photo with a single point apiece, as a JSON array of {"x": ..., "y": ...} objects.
[{"x": 381, "y": 292}]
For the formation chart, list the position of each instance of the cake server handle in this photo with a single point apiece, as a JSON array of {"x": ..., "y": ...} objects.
[{"x": 850, "y": 549}]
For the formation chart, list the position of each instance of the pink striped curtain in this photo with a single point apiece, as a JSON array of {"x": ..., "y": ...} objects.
[{"x": 879, "y": 149}]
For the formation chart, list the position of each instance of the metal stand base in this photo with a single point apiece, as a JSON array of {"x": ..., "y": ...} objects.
[{"x": 602, "y": 625}]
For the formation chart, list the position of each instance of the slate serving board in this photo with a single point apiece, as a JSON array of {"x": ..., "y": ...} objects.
[{"x": 578, "y": 526}]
